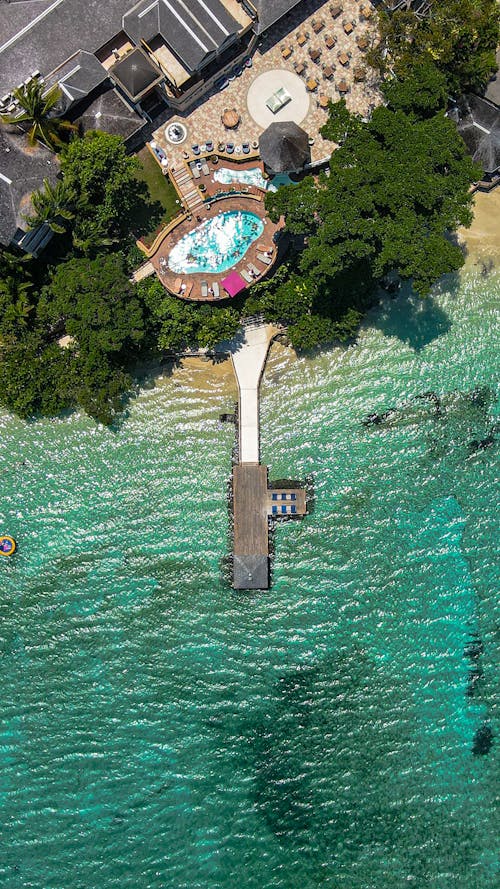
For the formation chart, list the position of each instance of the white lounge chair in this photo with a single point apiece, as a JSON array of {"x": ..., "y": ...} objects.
[
  {"x": 246, "y": 276},
  {"x": 216, "y": 289},
  {"x": 264, "y": 258},
  {"x": 205, "y": 170},
  {"x": 204, "y": 289},
  {"x": 196, "y": 172}
]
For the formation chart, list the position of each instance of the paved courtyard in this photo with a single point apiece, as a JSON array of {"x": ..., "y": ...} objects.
[{"x": 338, "y": 59}]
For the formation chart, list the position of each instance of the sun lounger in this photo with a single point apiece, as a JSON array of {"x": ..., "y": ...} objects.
[
  {"x": 253, "y": 269},
  {"x": 205, "y": 169},
  {"x": 196, "y": 172},
  {"x": 263, "y": 258},
  {"x": 248, "y": 278},
  {"x": 204, "y": 289},
  {"x": 188, "y": 289},
  {"x": 177, "y": 285},
  {"x": 275, "y": 510},
  {"x": 283, "y": 509},
  {"x": 216, "y": 289},
  {"x": 293, "y": 510}
]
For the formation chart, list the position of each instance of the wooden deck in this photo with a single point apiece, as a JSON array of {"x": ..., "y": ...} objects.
[{"x": 251, "y": 542}]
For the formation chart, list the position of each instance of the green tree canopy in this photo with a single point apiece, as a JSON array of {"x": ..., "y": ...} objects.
[
  {"x": 422, "y": 91},
  {"x": 102, "y": 178},
  {"x": 397, "y": 188},
  {"x": 95, "y": 303},
  {"x": 52, "y": 205},
  {"x": 460, "y": 36},
  {"x": 216, "y": 325}
]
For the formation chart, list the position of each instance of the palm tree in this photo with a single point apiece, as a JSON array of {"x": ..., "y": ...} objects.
[
  {"x": 52, "y": 205},
  {"x": 39, "y": 114},
  {"x": 15, "y": 305}
]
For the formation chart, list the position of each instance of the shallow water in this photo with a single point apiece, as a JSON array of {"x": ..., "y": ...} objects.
[{"x": 159, "y": 730}]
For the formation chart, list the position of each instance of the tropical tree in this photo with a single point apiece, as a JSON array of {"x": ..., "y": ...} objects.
[
  {"x": 460, "y": 36},
  {"x": 104, "y": 181},
  {"x": 52, "y": 205},
  {"x": 15, "y": 305},
  {"x": 39, "y": 116},
  {"x": 397, "y": 187}
]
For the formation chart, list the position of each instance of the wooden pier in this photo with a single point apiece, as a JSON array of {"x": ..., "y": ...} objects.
[{"x": 254, "y": 503}]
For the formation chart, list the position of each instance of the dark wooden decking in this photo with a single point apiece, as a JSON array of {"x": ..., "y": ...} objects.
[{"x": 251, "y": 541}]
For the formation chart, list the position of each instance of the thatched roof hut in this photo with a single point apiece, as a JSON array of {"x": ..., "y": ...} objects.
[{"x": 284, "y": 147}]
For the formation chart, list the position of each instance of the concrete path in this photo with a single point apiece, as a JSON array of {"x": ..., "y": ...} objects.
[
  {"x": 144, "y": 271},
  {"x": 249, "y": 358}
]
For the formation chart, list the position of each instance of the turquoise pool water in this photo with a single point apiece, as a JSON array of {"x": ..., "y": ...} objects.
[
  {"x": 217, "y": 244},
  {"x": 159, "y": 730},
  {"x": 252, "y": 177},
  {"x": 247, "y": 177}
]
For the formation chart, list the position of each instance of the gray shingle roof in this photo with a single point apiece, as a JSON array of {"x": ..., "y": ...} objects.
[
  {"x": 478, "y": 123},
  {"x": 269, "y": 11},
  {"x": 192, "y": 30},
  {"x": 79, "y": 76},
  {"x": 109, "y": 112},
  {"x": 68, "y": 27},
  {"x": 22, "y": 171},
  {"x": 250, "y": 572}
]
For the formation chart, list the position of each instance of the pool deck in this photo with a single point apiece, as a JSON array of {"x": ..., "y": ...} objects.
[{"x": 252, "y": 204}]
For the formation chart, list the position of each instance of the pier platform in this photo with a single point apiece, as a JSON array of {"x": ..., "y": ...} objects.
[{"x": 251, "y": 541}]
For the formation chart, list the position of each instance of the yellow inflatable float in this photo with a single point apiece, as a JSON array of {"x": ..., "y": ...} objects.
[{"x": 7, "y": 545}]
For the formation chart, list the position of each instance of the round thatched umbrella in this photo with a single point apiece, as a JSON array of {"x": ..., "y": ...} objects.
[
  {"x": 230, "y": 118},
  {"x": 284, "y": 147}
]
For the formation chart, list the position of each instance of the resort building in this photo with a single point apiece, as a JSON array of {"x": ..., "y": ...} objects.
[{"x": 119, "y": 65}]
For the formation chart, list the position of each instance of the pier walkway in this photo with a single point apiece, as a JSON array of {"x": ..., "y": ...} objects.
[
  {"x": 255, "y": 505},
  {"x": 249, "y": 360}
]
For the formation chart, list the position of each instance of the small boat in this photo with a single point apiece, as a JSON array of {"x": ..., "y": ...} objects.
[{"x": 7, "y": 545}]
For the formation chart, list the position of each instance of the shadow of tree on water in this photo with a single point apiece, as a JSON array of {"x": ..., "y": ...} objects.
[{"x": 414, "y": 320}]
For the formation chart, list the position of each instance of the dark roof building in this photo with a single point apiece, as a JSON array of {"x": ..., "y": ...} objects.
[
  {"x": 478, "y": 123},
  {"x": 21, "y": 172},
  {"x": 79, "y": 76},
  {"x": 194, "y": 31},
  {"x": 136, "y": 74},
  {"x": 284, "y": 147},
  {"x": 52, "y": 38},
  {"x": 109, "y": 112},
  {"x": 269, "y": 11}
]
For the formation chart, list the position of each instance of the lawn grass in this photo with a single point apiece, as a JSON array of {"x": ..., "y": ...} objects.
[{"x": 163, "y": 197}]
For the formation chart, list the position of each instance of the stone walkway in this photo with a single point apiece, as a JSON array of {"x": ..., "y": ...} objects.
[{"x": 204, "y": 122}]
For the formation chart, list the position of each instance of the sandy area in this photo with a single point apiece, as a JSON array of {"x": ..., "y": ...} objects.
[{"x": 482, "y": 239}]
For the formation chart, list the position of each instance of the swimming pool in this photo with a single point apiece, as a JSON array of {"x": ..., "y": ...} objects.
[
  {"x": 252, "y": 177},
  {"x": 217, "y": 244},
  {"x": 247, "y": 177}
]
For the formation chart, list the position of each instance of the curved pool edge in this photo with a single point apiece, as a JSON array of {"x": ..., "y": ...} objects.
[
  {"x": 166, "y": 241},
  {"x": 216, "y": 244}
]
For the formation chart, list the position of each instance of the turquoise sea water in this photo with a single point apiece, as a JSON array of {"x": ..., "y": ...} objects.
[{"x": 159, "y": 730}]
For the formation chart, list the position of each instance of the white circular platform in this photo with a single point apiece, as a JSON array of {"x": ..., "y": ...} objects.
[{"x": 268, "y": 83}]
